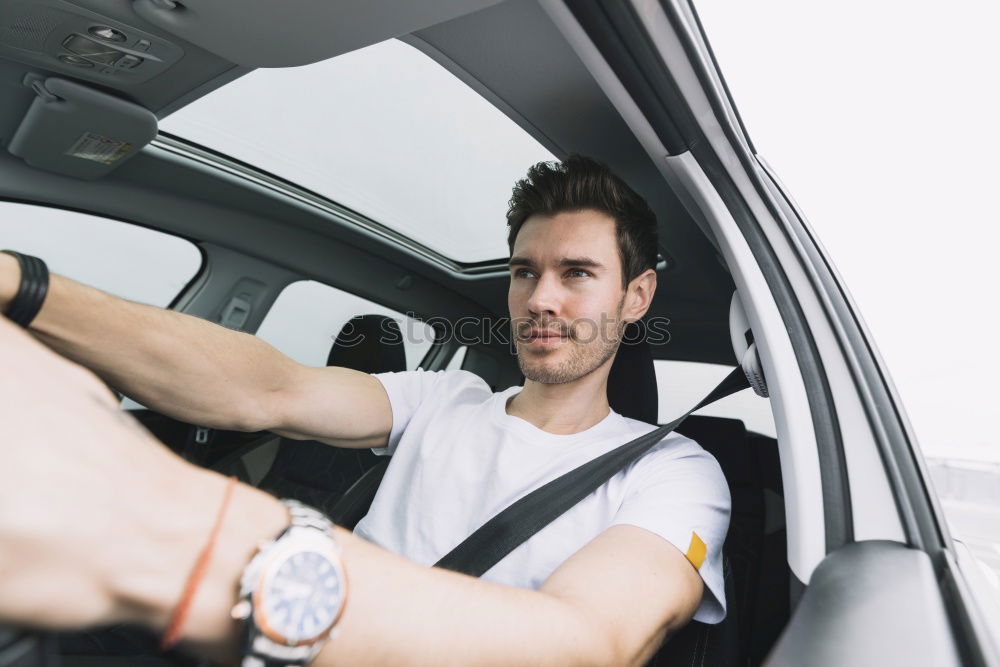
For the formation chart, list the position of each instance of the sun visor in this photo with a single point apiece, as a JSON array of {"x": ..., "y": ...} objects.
[
  {"x": 266, "y": 33},
  {"x": 78, "y": 131}
]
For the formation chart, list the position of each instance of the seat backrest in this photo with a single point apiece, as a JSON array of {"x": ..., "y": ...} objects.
[
  {"x": 727, "y": 441},
  {"x": 370, "y": 344},
  {"x": 632, "y": 379},
  {"x": 316, "y": 473},
  {"x": 632, "y": 392}
]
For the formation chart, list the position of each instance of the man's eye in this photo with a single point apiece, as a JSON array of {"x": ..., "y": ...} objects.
[
  {"x": 578, "y": 273},
  {"x": 523, "y": 273}
]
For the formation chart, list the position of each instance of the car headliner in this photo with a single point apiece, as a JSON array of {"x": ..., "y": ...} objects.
[{"x": 510, "y": 53}]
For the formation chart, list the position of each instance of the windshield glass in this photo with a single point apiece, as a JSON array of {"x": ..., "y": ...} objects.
[{"x": 385, "y": 131}]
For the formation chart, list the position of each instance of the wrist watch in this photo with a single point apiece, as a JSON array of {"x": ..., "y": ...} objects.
[{"x": 292, "y": 592}]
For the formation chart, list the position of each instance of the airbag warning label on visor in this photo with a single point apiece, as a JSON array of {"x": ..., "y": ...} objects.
[{"x": 97, "y": 148}]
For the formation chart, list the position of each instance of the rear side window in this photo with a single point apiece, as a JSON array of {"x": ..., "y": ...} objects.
[
  {"x": 127, "y": 260},
  {"x": 457, "y": 359},
  {"x": 307, "y": 316},
  {"x": 681, "y": 384}
]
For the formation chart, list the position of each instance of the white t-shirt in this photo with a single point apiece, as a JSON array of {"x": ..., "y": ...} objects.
[{"x": 458, "y": 459}]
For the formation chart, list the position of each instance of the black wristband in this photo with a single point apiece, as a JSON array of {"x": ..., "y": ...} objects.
[{"x": 32, "y": 290}]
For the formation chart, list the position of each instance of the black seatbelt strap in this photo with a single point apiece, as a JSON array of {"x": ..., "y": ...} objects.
[{"x": 504, "y": 532}]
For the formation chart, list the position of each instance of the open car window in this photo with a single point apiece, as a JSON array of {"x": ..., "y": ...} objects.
[
  {"x": 681, "y": 384},
  {"x": 127, "y": 260},
  {"x": 306, "y": 317}
]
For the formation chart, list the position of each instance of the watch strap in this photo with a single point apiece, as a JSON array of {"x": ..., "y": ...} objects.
[
  {"x": 304, "y": 516},
  {"x": 269, "y": 655}
]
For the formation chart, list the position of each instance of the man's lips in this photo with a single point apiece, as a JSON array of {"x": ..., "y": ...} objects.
[{"x": 543, "y": 337}]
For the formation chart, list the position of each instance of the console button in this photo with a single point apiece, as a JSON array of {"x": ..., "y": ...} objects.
[
  {"x": 128, "y": 62},
  {"x": 107, "y": 33}
]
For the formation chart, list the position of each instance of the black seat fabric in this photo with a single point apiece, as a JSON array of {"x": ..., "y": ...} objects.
[
  {"x": 632, "y": 392},
  {"x": 632, "y": 379},
  {"x": 726, "y": 440},
  {"x": 316, "y": 473},
  {"x": 755, "y": 545},
  {"x": 770, "y": 609},
  {"x": 370, "y": 344}
]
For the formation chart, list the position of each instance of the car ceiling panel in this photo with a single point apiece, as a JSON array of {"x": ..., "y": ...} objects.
[
  {"x": 14, "y": 99},
  {"x": 192, "y": 71}
]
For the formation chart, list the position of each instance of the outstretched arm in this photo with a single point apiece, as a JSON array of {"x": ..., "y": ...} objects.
[
  {"x": 100, "y": 523},
  {"x": 200, "y": 372}
]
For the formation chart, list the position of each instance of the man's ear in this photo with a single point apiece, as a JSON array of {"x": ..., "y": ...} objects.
[{"x": 639, "y": 295}]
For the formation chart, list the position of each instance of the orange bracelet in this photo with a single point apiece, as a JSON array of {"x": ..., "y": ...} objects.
[{"x": 173, "y": 633}]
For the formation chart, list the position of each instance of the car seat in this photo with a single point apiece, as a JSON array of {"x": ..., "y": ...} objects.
[{"x": 754, "y": 551}]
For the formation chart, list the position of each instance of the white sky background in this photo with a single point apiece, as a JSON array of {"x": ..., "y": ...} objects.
[{"x": 881, "y": 118}]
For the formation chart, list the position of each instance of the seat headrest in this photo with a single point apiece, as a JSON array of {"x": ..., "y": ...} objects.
[
  {"x": 745, "y": 347},
  {"x": 632, "y": 379},
  {"x": 370, "y": 344}
]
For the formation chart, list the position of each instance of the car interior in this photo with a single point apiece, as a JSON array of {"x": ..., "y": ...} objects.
[{"x": 86, "y": 85}]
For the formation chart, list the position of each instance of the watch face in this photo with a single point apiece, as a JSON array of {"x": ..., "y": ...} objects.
[{"x": 301, "y": 597}]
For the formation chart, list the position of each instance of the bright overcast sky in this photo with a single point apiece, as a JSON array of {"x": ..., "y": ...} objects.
[{"x": 882, "y": 118}]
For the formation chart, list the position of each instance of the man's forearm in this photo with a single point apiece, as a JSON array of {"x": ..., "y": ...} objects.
[
  {"x": 401, "y": 613},
  {"x": 397, "y": 612},
  {"x": 180, "y": 365}
]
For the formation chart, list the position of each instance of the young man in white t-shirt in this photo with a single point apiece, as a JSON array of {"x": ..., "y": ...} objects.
[
  {"x": 583, "y": 248},
  {"x": 603, "y": 584}
]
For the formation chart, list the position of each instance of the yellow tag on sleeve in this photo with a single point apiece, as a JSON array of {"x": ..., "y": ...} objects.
[{"x": 697, "y": 551}]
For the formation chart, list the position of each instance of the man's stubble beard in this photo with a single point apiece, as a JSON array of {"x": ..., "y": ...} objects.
[{"x": 583, "y": 359}]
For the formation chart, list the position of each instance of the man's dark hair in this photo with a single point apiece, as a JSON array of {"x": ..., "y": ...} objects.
[{"x": 579, "y": 183}]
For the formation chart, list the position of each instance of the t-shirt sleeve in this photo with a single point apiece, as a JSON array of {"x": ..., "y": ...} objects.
[
  {"x": 679, "y": 492},
  {"x": 406, "y": 390}
]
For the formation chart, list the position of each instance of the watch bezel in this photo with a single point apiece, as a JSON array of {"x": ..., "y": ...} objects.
[{"x": 273, "y": 559}]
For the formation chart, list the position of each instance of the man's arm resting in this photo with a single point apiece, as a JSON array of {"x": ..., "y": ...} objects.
[{"x": 611, "y": 603}]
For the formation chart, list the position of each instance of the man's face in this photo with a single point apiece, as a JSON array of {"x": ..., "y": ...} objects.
[{"x": 566, "y": 296}]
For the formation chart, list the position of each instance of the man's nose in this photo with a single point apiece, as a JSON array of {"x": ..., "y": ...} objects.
[{"x": 545, "y": 298}]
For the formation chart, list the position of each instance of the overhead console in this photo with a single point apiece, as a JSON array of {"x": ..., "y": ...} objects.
[
  {"x": 62, "y": 37},
  {"x": 78, "y": 131},
  {"x": 94, "y": 73},
  {"x": 269, "y": 33}
]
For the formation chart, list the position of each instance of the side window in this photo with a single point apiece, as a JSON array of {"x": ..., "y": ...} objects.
[
  {"x": 456, "y": 359},
  {"x": 681, "y": 384},
  {"x": 126, "y": 260},
  {"x": 307, "y": 316}
]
